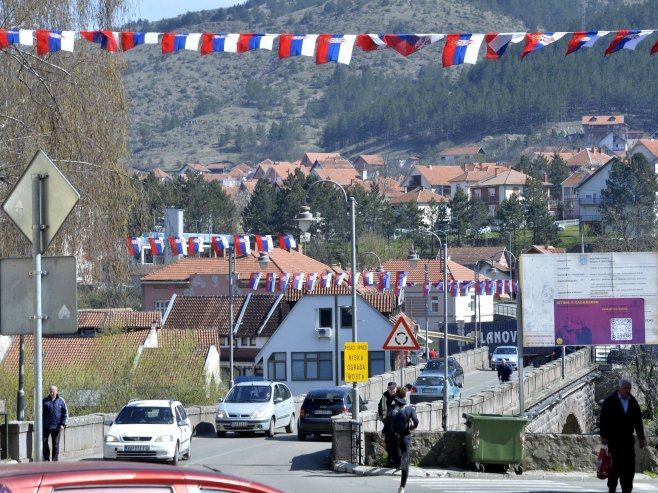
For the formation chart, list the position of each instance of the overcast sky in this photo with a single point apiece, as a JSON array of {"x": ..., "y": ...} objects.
[{"x": 154, "y": 10}]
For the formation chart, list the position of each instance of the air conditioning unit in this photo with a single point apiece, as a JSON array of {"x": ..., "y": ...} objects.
[{"x": 324, "y": 332}]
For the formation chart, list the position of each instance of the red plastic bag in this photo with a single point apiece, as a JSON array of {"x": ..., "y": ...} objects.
[{"x": 603, "y": 463}]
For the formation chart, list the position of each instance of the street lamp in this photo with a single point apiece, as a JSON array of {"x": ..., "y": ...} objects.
[
  {"x": 380, "y": 267},
  {"x": 413, "y": 259},
  {"x": 305, "y": 219}
]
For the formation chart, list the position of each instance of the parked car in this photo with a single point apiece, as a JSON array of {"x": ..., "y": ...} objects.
[
  {"x": 256, "y": 405},
  {"x": 320, "y": 405},
  {"x": 455, "y": 370},
  {"x": 429, "y": 387},
  {"x": 508, "y": 353},
  {"x": 94, "y": 475},
  {"x": 149, "y": 430}
]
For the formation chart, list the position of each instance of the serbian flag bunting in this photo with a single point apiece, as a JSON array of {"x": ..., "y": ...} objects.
[
  {"x": 497, "y": 43},
  {"x": 349, "y": 279},
  {"x": 219, "y": 244},
  {"x": 264, "y": 243},
  {"x": 384, "y": 281},
  {"x": 454, "y": 288},
  {"x": 298, "y": 281},
  {"x": 297, "y": 44},
  {"x": 464, "y": 287},
  {"x": 241, "y": 244},
  {"x": 584, "y": 39},
  {"x": 426, "y": 289},
  {"x": 537, "y": 41},
  {"x": 654, "y": 48},
  {"x": 480, "y": 287},
  {"x": 271, "y": 282},
  {"x": 335, "y": 48},
  {"x": 193, "y": 245},
  {"x": 176, "y": 245},
  {"x": 400, "y": 282},
  {"x": 283, "y": 281},
  {"x": 500, "y": 286},
  {"x": 287, "y": 242},
  {"x": 247, "y": 42},
  {"x": 311, "y": 281},
  {"x": 176, "y": 41},
  {"x": 627, "y": 40},
  {"x": 131, "y": 39},
  {"x": 491, "y": 286},
  {"x": 157, "y": 246},
  {"x": 134, "y": 246},
  {"x": 326, "y": 280},
  {"x": 109, "y": 40},
  {"x": 8, "y": 38},
  {"x": 508, "y": 286},
  {"x": 254, "y": 279},
  {"x": 370, "y": 42},
  {"x": 368, "y": 278},
  {"x": 439, "y": 286},
  {"x": 215, "y": 43},
  {"x": 461, "y": 48},
  {"x": 340, "y": 277},
  {"x": 51, "y": 41},
  {"x": 406, "y": 44}
]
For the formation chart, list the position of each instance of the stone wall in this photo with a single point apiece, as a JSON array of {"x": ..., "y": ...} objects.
[{"x": 569, "y": 412}]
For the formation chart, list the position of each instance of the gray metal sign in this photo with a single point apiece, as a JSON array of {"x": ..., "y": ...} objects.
[
  {"x": 59, "y": 296},
  {"x": 58, "y": 200}
]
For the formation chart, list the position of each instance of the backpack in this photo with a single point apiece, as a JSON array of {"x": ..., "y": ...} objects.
[{"x": 399, "y": 421}]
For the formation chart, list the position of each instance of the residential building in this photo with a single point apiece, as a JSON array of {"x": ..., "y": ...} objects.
[
  {"x": 344, "y": 177},
  {"x": 589, "y": 157},
  {"x": 425, "y": 200},
  {"x": 473, "y": 174},
  {"x": 649, "y": 148},
  {"x": 278, "y": 173},
  {"x": 461, "y": 155},
  {"x": 494, "y": 190},
  {"x": 310, "y": 158},
  {"x": 369, "y": 166},
  {"x": 388, "y": 186},
  {"x": 597, "y": 127},
  {"x": 589, "y": 193},
  {"x": 199, "y": 169},
  {"x": 332, "y": 163},
  {"x": 434, "y": 178},
  {"x": 544, "y": 249},
  {"x": 570, "y": 197}
]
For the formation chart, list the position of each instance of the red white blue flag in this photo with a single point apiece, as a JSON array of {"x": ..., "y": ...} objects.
[
  {"x": 214, "y": 43},
  {"x": 537, "y": 41},
  {"x": 311, "y": 281},
  {"x": 287, "y": 242},
  {"x": 426, "y": 289},
  {"x": 654, "y": 48},
  {"x": 180, "y": 41},
  {"x": 284, "y": 280},
  {"x": 18, "y": 36},
  {"x": 464, "y": 287},
  {"x": 298, "y": 281},
  {"x": 241, "y": 244},
  {"x": 368, "y": 278},
  {"x": 349, "y": 279},
  {"x": 109, "y": 40},
  {"x": 491, "y": 286},
  {"x": 400, "y": 282},
  {"x": 627, "y": 40},
  {"x": 497, "y": 43},
  {"x": 157, "y": 246},
  {"x": 271, "y": 282},
  {"x": 326, "y": 280},
  {"x": 219, "y": 244},
  {"x": 248, "y": 42},
  {"x": 297, "y": 44},
  {"x": 134, "y": 246},
  {"x": 254, "y": 280},
  {"x": 51, "y": 41},
  {"x": 461, "y": 48},
  {"x": 384, "y": 281},
  {"x": 193, "y": 245},
  {"x": 454, "y": 288},
  {"x": 176, "y": 245},
  {"x": 480, "y": 288},
  {"x": 340, "y": 277},
  {"x": 131, "y": 39},
  {"x": 406, "y": 44},
  {"x": 264, "y": 243},
  {"x": 335, "y": 48},
  {"x": 439, "y": 286},
  {"x": 500, "y": 286},
  {"x": 370, "y": 42},
  {"x": 584, "y": 39}
]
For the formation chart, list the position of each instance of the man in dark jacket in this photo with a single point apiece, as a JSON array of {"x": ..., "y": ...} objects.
[
  {"x": 620, "y": 416},
  {"x": 384, "y": 409},
  {"x": 55, "y": 419},
  {"x": 404, "y": 438},
  {"x": 504, "y": 371}
]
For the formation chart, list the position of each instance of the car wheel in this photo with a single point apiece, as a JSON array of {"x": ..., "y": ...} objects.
[
  {"x": 188, "y": 454},
  {"x": 292, "y": 425},
  {"x": 270, "y": 429},
  {"x": 301, "y": 436},
  {"x": 174, "y": 459},
  {"x": 221, "y": 434}
]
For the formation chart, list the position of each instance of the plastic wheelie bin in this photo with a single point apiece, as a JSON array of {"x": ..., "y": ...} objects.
[{"x": 495, "y": 439}]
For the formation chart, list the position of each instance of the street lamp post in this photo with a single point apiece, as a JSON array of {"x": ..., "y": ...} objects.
[
  {"x": 305, "y": 219},
  {"x": 380, "y": 267},
  {"x": 413, "y": 261}
]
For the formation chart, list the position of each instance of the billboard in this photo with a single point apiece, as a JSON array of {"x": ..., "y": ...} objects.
[{"x": 589, "y": 298}]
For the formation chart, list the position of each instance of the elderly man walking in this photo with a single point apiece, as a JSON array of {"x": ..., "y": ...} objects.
[
  {"x": 55, "y": 419},
  {"x": 620, "y": 417}
]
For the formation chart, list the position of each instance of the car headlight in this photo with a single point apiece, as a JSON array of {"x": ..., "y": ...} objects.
[
  {"x": 259, "y": 414},
  {"x": 165, "y": 438},
  {"x": 111, "y": 438},
  {"x": 221, "y": 415}
]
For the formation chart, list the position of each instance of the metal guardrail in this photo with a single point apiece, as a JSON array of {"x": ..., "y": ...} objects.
[{"x": 505, "y": 309}]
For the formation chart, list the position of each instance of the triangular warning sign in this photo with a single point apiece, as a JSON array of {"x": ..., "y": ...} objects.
[{"x": 401, "y": 338}]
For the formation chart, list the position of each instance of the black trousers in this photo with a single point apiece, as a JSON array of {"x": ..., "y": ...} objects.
[
  {"x": 56, "y": 434},
  {"x": 392, "y": 450},
  {"x": 623, "y": 465},
  {"x": 404, "y": 448}
]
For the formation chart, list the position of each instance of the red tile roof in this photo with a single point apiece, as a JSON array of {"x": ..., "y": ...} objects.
[
  {"x": 419, "y": 196},
  {"x": 372, "y": 159},
  {"x": 546, "y": 249},
  {"x": 343, "y": 177},
  {"x": 439, "y": 175},
  {"x": 602, "y": 120},
  {"x": 116, "y": 317},
  {"x": 509, "y": 177},
  {"x": 461, "y": 151},
  {"x": 435, "y": 271},
  {"x": 650, "y": 144}
]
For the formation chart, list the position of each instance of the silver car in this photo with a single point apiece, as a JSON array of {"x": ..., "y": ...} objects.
[
  {"x": 507, "y": 353},
  {"x": 256, "y": 405}
]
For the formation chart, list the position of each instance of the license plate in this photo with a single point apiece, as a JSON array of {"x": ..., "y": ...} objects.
[
  {"x": 136, "y": 448},
  {"x": 238, "y": 424},
  {"x": 323, "y": 411},
  {"x": 428, "y": 391}
]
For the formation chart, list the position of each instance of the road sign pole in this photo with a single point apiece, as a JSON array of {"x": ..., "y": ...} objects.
[{"x": 36, "y": 249}]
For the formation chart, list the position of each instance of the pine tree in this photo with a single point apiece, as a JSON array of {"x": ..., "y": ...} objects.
[
  {"x": 538, "y": 217},
  {"x": 459, "y": 213}
]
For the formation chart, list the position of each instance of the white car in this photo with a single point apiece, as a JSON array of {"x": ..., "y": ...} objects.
[
  {"x": 256, "y": 405},
  {"x": 507, "y": 353},
  {"x": 149, "y": 430}
]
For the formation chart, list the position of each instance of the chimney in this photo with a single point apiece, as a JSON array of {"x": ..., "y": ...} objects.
[
  {"x": 429, "y": 166},
  {"x": 496, "y": 171}
]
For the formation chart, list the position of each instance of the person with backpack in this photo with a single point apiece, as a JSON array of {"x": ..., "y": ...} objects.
[
  {"x": 504, "y": 371},
  {"x": 386, "y": 404},
  {"x": 402, "y": 421}
]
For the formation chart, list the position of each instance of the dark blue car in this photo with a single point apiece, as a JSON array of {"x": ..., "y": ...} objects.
[{"x": 320, "y": 405}]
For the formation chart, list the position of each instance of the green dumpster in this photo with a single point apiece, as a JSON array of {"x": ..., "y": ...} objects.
[{"x": 495, "y": 439}]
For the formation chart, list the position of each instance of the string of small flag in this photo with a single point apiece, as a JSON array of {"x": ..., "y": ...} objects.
[{"x": 458, "y": 48}]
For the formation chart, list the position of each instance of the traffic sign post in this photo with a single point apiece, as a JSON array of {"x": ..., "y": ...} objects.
[
  {"x": 402, "y": 339},
  {"x": 38, "y": 205}
]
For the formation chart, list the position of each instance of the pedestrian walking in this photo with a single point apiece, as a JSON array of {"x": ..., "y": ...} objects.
[
  {"x": 386, "y": 404},
  {"x": 620, "y": 417},
  {"x": 432, "y": 353},
  {"x": 504, "y": 371},
  {"x": 55, "y": 418},
  {"x": 403, "y": 421}
]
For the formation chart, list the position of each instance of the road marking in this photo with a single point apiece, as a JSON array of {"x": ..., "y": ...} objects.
[{"x": 464, "y": 485}]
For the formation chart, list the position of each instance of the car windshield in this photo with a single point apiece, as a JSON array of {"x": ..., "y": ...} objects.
[
  {"x": 325, "y": 398},
  {"x": 134, "y": 415},
  {"x": 505, "y": 350},
  {"x": 249, "y": 393},
  {"x": 429, "y": 381}
]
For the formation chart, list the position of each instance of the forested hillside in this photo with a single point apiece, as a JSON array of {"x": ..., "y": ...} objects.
[{"x": 192, "y": 108}]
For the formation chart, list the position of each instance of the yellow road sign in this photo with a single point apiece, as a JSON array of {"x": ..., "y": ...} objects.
[{"x": 356, "y": 362}]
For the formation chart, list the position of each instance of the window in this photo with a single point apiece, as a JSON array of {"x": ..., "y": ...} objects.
[
  {"x": 345, "y": 317},
  {"x": 311, "y": 366},
  {"x": 492, "y": 192},
  {"x": 244, "y": 341},
  {"x": 161, "y": 306},
  {"x": 434, "y": 303},
  {"x": 223, "y": 341},
  {"x": 252, "y": 341},
  {"x": 325, "y": 317},
  {"x": 276, "y": 366}
]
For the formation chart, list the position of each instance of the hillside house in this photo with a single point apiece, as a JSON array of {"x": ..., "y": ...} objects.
[
  {"x": 434, "y": 178},
  {"x": 598, "y": 127},
  {"x": 461, "y": 155},
  {"x": 198, "y": 169},
  {"x": 310, "y": 158},
  {"x": 570, "y": 198},
  {"x": 473, "y": 174},
  {"x": 649, "y": 148},
  {"x": 426, "y": 201},
  {"x": 344, "y": 177},
  {"x": 494, "y": 190},
  {"x": 589, "y": 193},
  {"x": 369, "y": 166}
]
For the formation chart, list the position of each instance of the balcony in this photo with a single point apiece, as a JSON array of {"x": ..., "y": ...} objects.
[{"x": 589, "y": 200}]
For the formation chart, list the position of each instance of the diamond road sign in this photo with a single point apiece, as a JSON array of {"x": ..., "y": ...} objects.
[{"x": 58, "y": 198}]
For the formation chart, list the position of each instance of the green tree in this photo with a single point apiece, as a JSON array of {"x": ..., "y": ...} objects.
[
  {"x": 260, "y": 215},
  {"x": 558, "y": 171},
  {"x": 538, "y": 217},
  {"x": 478, "y": 215},
  {"x": 511, "y": 216},
  {"x": 459, "y": 213},
  {"x": 628, "y": 203}
]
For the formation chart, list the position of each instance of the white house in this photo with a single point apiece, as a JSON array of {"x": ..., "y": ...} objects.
[
  {"x": 589, "y": 193},
  {"x": 306, "y": 351},
  {"x": 649, "y": 148}
]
